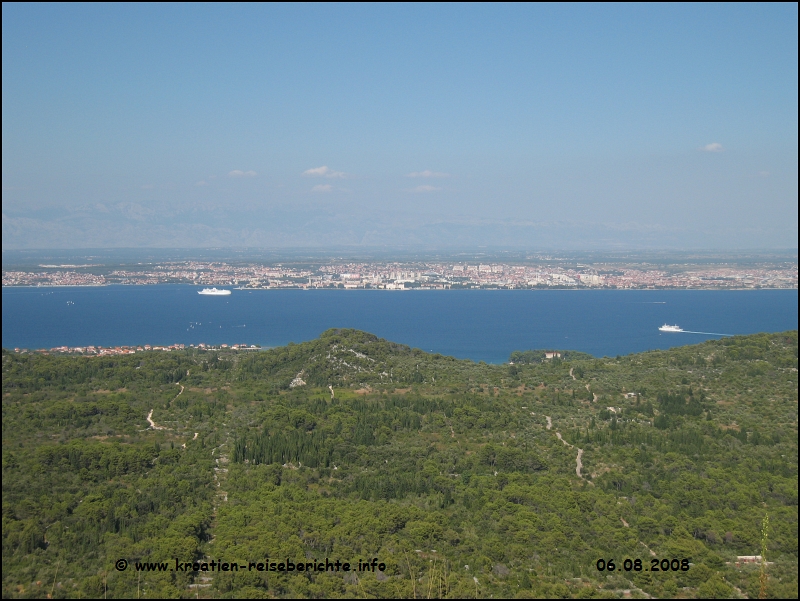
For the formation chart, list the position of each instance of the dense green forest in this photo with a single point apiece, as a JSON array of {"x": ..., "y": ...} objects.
[{"x": 463, "y": 479}]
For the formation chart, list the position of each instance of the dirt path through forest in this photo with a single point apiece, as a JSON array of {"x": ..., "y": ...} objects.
[
  {"x": 153, "y": 424},
  {"x": 221, "y": 461},
  {"x": 578, "y": 462},
  {"x": 205, "y": 581}
]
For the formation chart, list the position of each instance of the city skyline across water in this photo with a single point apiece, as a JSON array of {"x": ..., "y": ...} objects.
[{"x": 394, "y": 275}]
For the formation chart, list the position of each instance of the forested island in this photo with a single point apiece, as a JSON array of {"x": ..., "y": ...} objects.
[{"x": 450, "y": 478}]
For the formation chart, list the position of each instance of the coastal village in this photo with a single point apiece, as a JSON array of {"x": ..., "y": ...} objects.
[
  {"x": 420, "y": 275},
  {"x": 104, "y": 351}
]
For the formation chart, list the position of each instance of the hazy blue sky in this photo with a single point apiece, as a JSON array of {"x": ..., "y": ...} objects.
[{"x": 539, "y": 126}]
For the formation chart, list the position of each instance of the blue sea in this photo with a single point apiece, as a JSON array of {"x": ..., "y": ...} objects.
[{"x": 472, "y": 324}]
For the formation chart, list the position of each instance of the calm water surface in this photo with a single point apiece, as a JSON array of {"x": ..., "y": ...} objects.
[{"x": 475, "y": 324}]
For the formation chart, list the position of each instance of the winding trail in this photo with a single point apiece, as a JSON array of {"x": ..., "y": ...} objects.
[
  {"x": 578, "y": 462},
  {"x": 153, "y": 425},
  {"x": 572, "y": 374}
]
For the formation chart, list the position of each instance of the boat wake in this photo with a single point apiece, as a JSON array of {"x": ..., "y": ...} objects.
[
  {"x": 706, "y": 333},
  {"x": 679, "y": 330}
]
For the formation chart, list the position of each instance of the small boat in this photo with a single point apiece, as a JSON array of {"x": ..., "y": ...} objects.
[{"x": 667, "y": 328}]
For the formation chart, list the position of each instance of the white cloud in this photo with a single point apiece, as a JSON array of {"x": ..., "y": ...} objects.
[
  {"x": 713, "y": 147},
  {"x": 239, "y": 173},
  {"x": 324, "y": 171},
  {"x": 425, "y": 188},
  {"x": 322, "y": 188},
  {"x": 428, "y": 173},
  {"x": 201, "y": 183}
]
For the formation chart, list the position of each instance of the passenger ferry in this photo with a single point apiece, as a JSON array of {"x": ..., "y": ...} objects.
[
  {"x": 214, "y": 292},
  {"x": 666, "y": 328}
]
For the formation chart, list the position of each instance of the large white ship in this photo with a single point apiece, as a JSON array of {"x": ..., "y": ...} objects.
[
  {"x": 214, "y": 292},
  {"x": 666, "y": 328}
]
